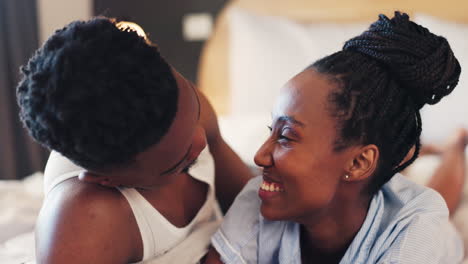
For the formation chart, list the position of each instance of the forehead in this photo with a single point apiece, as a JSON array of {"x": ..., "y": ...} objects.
[
  {"x": 177, "y": 140},
  {"x": 305, "y": 96}
]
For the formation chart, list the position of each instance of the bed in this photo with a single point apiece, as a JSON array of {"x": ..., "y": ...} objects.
[{"x": 256, "y": 46}]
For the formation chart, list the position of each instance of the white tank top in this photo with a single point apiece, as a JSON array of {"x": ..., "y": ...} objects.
[{"x": 158, "y": 234}]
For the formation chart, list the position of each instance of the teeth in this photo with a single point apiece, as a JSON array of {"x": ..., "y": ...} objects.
[{"x": 271, "y": 187}]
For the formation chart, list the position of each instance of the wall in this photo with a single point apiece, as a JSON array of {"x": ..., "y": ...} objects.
[
  {"x": 163, "y": 21},
  {"x": 54, "y": 14}
]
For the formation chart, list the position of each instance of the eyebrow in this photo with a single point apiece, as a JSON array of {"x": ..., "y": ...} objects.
[
  {"x": 291, "y": 119},
  {"x": 178, "y": 163}
]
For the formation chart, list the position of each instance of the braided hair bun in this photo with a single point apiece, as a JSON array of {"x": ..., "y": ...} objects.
[{"x": 421, "y": 62}]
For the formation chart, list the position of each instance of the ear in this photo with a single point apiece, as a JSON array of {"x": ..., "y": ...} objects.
[
  {"x": 95, "y": 178},
  {"x": 363, "y": 163}
]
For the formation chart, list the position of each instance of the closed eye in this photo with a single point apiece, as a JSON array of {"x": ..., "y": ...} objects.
[{"x": 280, "y": 137}]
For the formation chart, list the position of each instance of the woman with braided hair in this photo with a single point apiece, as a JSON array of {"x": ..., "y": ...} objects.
[{"x": 342, "y": 131}]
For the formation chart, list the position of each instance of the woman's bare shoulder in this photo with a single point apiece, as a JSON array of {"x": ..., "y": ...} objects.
[{"x": 85, "y": 223}]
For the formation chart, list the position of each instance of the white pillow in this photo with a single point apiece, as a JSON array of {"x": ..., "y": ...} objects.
[
  {"x": 265, "y": 52},
  {"x": 442, "y": 119},
  {"x": 245, "y": 134}
]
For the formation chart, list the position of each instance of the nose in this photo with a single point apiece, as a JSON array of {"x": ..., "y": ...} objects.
[{"x": 263, "y": 157}]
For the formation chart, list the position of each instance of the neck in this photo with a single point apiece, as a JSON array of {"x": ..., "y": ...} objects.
[{"x": 327, "y": 236}]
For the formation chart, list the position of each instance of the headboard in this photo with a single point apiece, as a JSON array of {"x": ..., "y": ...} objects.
[{"x": 213, "y": 71}]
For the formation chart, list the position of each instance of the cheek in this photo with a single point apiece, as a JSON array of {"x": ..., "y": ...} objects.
[
  {"x": 295, "y": 166},
  {"x": 307, "y": 177},
  {"x": 295, "y": 171}
]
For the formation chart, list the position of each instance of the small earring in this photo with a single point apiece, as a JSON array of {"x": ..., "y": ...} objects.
[{"x": 346, "y": 177}]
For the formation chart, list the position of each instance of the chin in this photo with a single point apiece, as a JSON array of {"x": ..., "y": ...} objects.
[{"x": 271, "y": 214}]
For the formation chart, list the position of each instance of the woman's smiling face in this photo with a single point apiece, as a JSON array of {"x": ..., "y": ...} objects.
[{"x": 302, "y": 173}]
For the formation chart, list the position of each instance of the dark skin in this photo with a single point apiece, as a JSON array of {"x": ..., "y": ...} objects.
[
  {"x": 300, "y": 158},
  {"x": 87, "y": 220}
]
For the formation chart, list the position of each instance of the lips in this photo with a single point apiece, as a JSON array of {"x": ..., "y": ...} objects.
[
  {"x": 271, "y": 186},
  {"x": 270, "y": 183}
]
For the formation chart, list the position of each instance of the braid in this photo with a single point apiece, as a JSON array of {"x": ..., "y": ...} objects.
[
  {"x": 385, "y": 76},
  {"x": 413, "y": 54}
]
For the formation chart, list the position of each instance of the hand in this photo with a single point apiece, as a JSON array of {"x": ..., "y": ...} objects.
[{"x": 231, "y": 173}]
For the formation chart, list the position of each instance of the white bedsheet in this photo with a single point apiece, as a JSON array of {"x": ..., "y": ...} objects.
[
  {"x": 20, "y": 202},
  {"x": 19, "y": 249}
]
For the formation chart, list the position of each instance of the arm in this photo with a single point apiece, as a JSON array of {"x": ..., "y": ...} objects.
[
  {"x": 449, "y": 177},
  {"x": 230, "y": 171},
  {"x": 231, "y": 174},
  {"x": 213, "y": 257},
  {"x": 81, "y": 223}
]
